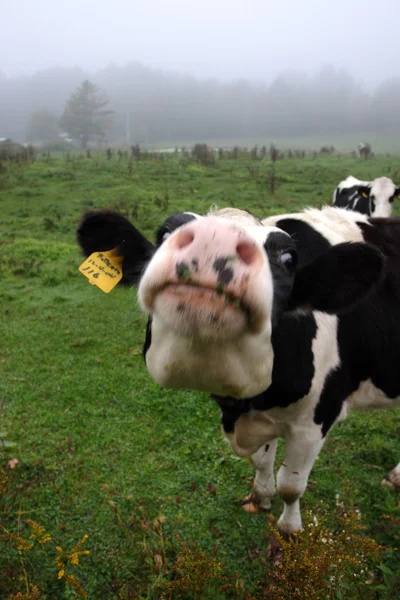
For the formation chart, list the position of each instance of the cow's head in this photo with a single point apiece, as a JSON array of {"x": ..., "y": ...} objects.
[
  {"x": 214, "y": 287},
  {"x": 381, "y": 194}
]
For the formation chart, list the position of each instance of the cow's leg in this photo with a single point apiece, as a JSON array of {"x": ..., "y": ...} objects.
[
  {"x": 393, "y": 478},
  {"x": 300, "y": 454},
  {"x": 264, "y": 480}
]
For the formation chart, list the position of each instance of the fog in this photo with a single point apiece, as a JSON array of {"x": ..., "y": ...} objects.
[
  {"x": 47, "y": 48},
  {"x": 226, "y": 39}
]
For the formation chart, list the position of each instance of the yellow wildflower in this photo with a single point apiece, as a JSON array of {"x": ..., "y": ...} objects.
[
  {"x": 33, "y": 595},
  {"x": 63, "y": 559},
  {"x": 70, "y": 579},
  {"x": 38, "y": 533},
  {"x": 18, "y": 541}
]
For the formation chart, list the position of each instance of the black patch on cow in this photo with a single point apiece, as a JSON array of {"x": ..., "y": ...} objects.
[
  {"x": 384, "y": 235},
  {"x": 339, "y": 278},
  {"x": 104, "y": 230},
  {"x": 369, "y": 335},
  {"x": 183, "y": 271},
  {"x": 231, "y": 410},
  {"x": 147, "y": 340},
  {"x": 225, "y": 274},
  {"x": 278, "y": 246},
  {"x": 355, "y": 198},
  {"x": 293, "y": 368},
  {"x": 171, "y": 224},
  {"x": 309, "y": 242},
  {"x": 368, "y": 340},
  {"x": 337, "y": 388},
  {"x": 362, "y": 205}
]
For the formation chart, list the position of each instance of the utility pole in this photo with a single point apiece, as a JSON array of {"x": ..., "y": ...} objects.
[{"x": 128, "y": 129}]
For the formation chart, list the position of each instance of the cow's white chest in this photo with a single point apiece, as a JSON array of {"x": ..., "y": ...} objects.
[
  {"x": 325, "y": 351},
  {"x": 258, "y": 427}
]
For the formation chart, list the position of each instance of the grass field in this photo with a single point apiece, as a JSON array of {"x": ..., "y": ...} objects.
[{"x": 102, "y": 450}]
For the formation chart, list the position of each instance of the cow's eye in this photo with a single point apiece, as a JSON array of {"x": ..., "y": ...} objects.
[
  {"x": 289, "y": 259},
  {"x": 166, "y": 235}
]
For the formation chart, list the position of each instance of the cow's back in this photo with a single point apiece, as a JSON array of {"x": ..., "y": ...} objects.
[{"x": 315, "y": 230}]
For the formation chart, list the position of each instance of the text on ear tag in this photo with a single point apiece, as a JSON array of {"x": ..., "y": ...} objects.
[{"x": 103, "y": 269}]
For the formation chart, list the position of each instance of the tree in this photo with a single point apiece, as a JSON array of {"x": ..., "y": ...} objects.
[
  {"x": 42, "y": 126},
  {"x": 385, "y": 107},
  {"x": 84, "y": 116}
]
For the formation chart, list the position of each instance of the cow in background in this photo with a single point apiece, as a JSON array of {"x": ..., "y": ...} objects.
[
  {"x": 364, "y": 149},
  {"x": 373, "y": 198}
]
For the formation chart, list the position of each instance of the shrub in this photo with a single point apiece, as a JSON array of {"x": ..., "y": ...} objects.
[
  {"x": 327, "y": 150},
  {"x": 16, "y": 152},
  {"x": 65, "y": 561},
  {"x": 321, "y": 564},
  {"x": 203, "y": 154}
]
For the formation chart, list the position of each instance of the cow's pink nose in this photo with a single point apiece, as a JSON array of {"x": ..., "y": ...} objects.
[
  {"x": 247, "y": 252},
  {"x": 207, "y": 234},
  {"x": 185, "y": 238}
]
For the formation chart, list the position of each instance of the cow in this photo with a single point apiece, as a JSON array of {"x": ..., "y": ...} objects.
[
  {"x": 374, "y": 198},
  {"x": 289, "y": 323},
  {"x": 364, "y": 149}
]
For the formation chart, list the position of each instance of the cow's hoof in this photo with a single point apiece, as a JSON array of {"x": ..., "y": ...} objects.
[
  {"x": 253, "y": 506},
  {"x": 289, "y": 529},
  {"x": 392, "y": 479}
]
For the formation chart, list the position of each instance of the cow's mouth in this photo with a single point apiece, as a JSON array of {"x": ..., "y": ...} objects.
[{"x": 204, "y": 312}]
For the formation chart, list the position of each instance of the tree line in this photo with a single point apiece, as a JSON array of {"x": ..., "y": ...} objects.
[{"x": 147, "y": 105}]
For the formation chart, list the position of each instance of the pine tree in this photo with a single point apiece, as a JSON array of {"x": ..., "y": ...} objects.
[{"x": 84, "y": 117}]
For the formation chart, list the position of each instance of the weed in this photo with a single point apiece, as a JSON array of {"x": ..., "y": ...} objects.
[{"x": 317, "y": 563}]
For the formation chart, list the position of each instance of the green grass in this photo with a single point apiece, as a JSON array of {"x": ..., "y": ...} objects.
[{"x": 102, "y": 450}]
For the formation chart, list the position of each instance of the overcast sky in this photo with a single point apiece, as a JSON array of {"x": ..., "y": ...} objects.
[{"x": 225, "y": 39}]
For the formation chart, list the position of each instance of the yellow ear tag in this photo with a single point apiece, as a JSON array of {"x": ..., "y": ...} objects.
[
  {"x": 364, "y": 195},
  {"x": 103, "y": 269}
]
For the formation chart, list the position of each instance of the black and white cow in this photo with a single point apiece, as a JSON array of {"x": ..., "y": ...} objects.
[
  {"x": 364, "y": 149},
  {"x": 374, "y": 198},
  {"x": 289, "y": 323}
]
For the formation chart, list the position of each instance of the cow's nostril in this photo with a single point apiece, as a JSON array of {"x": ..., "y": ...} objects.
[
  {"x": 185, "y": 238},
  {"x": 247, "y": 252}
]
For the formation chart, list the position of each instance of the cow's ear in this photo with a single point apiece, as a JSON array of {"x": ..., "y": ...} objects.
[
  {"x": 364, "y": 191},
  {"x": 336, "y": 280},
  {"x": 104, "y": 230}
]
